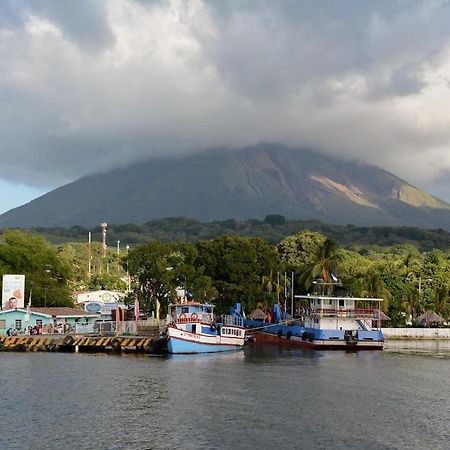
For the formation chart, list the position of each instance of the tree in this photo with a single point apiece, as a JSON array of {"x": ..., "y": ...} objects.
[
  {"x": 158, "y": 268},
  {"x": 275, "y": 219},
  {"x": 45, "y": 273},
  {"x": 321, "y": 262},
  {"x": 236, "y": 265},
  {"x": 298, "y": 249}
]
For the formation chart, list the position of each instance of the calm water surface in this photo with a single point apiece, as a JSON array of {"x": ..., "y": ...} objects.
[{"x": 261, "y": 398}]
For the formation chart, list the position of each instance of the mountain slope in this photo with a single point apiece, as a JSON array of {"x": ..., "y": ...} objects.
[{"x": 249, "y": 183}]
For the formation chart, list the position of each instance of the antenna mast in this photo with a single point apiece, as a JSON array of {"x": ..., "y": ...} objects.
[{"x": 104, "y": 225}]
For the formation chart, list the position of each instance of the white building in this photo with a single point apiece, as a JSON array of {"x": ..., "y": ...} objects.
[{"x": 100, "y": 302}]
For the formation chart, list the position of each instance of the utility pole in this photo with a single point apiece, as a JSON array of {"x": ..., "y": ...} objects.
[{"x": 89, "y": 254}]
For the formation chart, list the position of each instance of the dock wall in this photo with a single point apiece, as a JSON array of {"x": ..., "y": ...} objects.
[
  {"x": 76, "y": 343},
  {"x": 416, "y": 333}
]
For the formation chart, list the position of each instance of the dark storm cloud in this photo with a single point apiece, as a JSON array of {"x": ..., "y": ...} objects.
[{"x": 91, "y": 85}]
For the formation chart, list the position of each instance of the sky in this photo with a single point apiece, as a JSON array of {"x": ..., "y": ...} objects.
[{"x": 88, "y": 85}]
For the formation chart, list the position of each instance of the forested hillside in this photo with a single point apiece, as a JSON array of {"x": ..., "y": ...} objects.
[{"x": 273, "y": 229}]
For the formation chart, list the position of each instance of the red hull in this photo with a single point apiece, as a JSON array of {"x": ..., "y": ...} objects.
[{"x": 272, "y": 339}]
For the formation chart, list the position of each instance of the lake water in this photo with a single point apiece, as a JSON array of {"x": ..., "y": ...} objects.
[{"x": 262, "y": 398}]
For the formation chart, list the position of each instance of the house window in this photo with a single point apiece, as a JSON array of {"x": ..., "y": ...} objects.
[
  {"x": 39, "y": 323},
  {"x": 18, "y": 325},
  {"x": 2, "y": 324}
]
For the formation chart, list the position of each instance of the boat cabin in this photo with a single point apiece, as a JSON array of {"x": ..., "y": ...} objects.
[
  {"x": 193, "y": 312},
  {"x": 329, "y": 307},
  {"x": 197, "y": 318}
]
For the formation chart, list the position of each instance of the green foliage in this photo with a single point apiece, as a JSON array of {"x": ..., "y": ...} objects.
[
  {"x": 297, "y": 250},
  {"x": 237, "y": 265},
  {"x": 321, "y": 262},
  {"x": 275, "y": 219},
  {"x": 159, "y": 268},
  {"x": 191, "y": 230},
  {"x": 45, "y": 273}
]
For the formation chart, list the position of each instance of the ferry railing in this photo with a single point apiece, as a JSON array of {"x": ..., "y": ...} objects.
[
  {"x": 227, "y": 319},
  {"x": 341, "y": 312},
  {"x": 193, "y": 318}
]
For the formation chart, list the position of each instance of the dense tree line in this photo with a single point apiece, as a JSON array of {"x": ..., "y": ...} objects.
[
  {"x": 236, "y": 268},
  {"x": 232, "y": 268},
  {"x": 46, "y": 274},
  {"x": 273, "y": 229}
]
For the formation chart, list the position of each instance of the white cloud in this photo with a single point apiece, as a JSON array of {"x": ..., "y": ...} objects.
[{"x": 104, "y": 84}]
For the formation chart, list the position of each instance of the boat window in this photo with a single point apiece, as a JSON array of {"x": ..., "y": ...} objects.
[
  {"x": 194, "y": 328},
  {"x": 184, "y": 310},
  {"x": 331, "y": 302},
  {"x": 341, "y": 302}
]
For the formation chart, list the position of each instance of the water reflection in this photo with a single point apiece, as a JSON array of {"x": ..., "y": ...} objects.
[{"x": 261, "y": 397}]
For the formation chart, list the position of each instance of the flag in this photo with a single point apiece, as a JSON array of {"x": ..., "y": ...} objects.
[
  {"x": 137, "y": 311},
  {"x": 28, "y": 313},
  {"x": 158, "y": 306},
  {"x": 117, "y": 314}
]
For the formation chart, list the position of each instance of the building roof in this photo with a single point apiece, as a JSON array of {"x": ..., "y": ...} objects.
[
  {"x": 53, "y": 312},
  {"x": 63, "y": 312},
  {"x": 24, "y": 311},
  {"x": 257, "y": 314},
  {"x": 429, "y": 317}
]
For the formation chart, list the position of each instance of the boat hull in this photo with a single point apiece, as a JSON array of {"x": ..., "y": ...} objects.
[
  {"x": 305, "y": 337},
  {"x": 315, "y": 344},
  {"x": 182, "y": 342}
]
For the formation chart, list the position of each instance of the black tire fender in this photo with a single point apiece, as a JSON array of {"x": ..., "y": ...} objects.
[
  {"x": 68, "y": 340},
  {"x": 116, "y": 345}
]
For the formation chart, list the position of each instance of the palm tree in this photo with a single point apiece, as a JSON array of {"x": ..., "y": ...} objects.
[
  {"x": 269, "y": 283},
  {"x": 411, "y": 303},
  {"x": 322, "y": 262},
  {"x": 274, "y": 284},
  {"x": 373, "y": 286}
]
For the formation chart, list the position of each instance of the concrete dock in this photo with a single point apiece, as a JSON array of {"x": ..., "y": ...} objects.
[{"x": 72, "y": 343}]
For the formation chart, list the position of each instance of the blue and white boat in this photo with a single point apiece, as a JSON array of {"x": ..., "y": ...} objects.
[
  {"x": 325, "y": 319},
  {"x": 194, "y": 329}
]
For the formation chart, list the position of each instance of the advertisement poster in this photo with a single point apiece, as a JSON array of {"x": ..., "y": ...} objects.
[{"x": 13, "y": 291}]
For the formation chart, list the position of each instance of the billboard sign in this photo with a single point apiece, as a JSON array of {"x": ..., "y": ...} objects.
[{"x": 13, "y": 291}]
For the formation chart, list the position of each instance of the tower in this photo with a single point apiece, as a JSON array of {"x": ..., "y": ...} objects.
[{"x": 104, "y": 225}]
